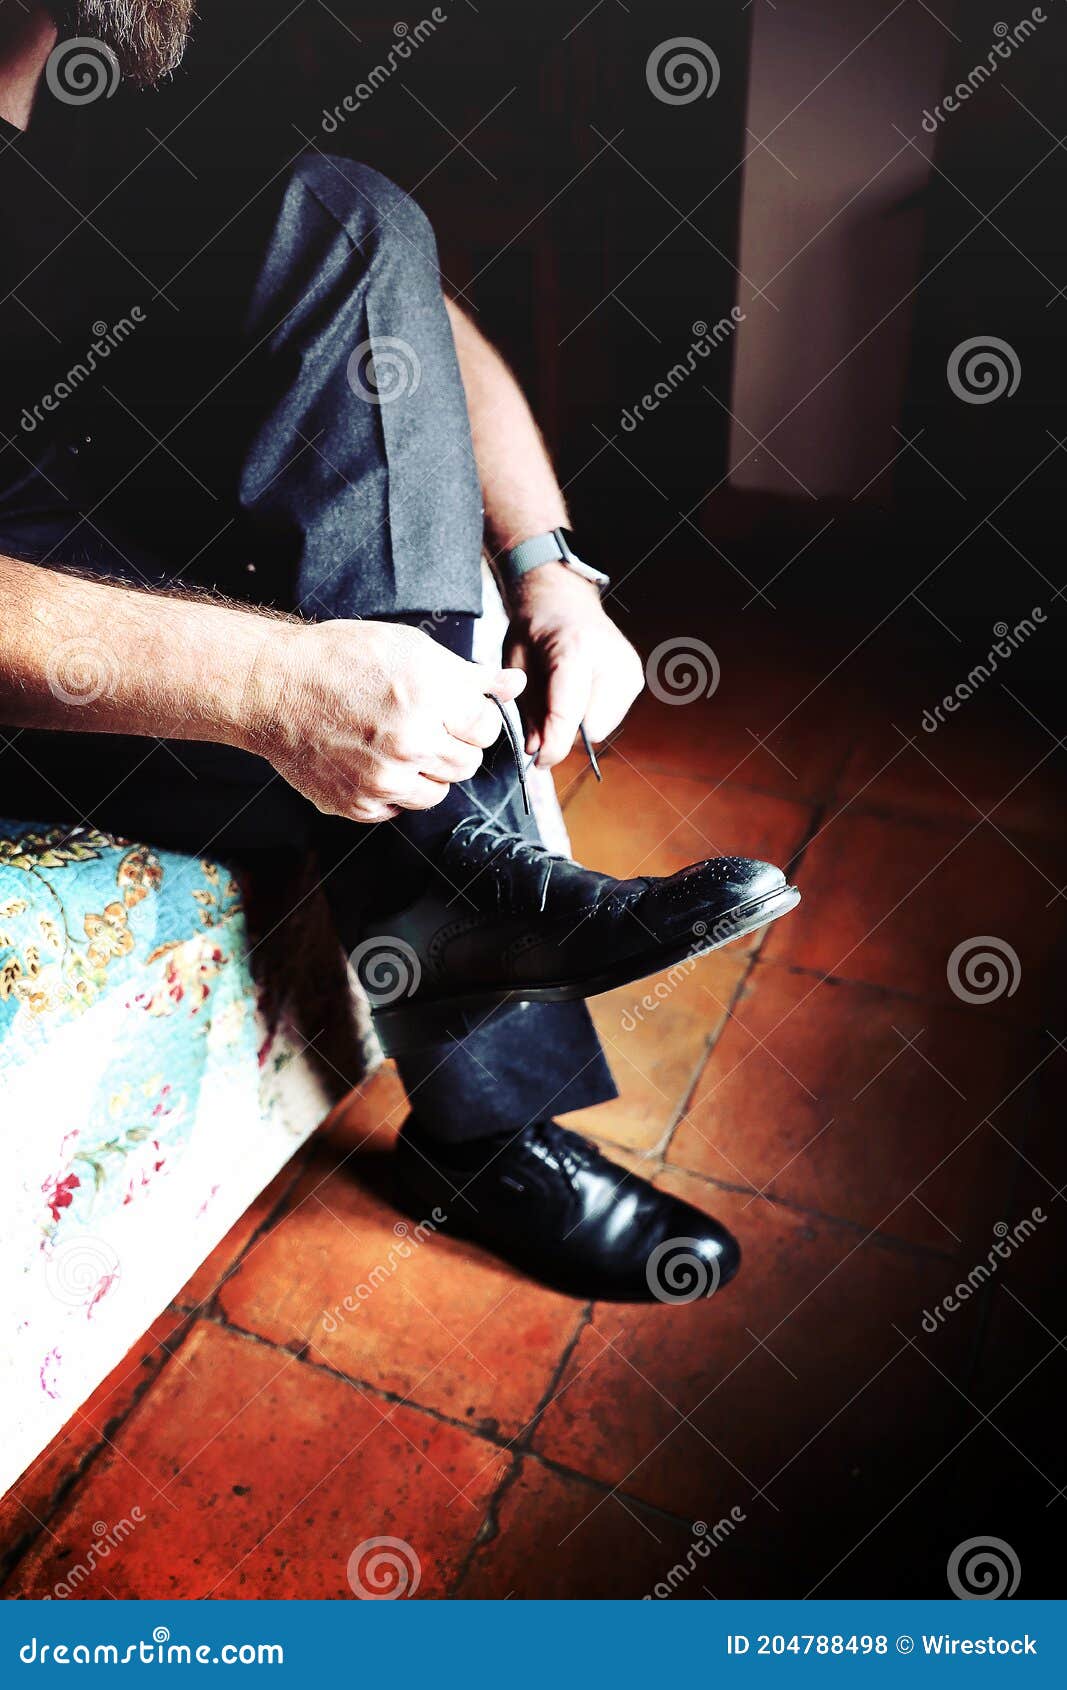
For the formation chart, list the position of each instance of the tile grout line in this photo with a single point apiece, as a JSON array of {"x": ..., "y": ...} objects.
[
  {"x": 189, "y": 1314},
  {"x": 298, "y": 1162},
  {"x": 815, "y": 815},
  {"x": 72, "y": 1479},
  {"x": 521, "y": 1448}
]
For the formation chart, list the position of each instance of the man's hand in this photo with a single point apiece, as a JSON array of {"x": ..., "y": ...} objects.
[
  {"x": 367, "y": 718},
  {"x": 580, "y": 667}
]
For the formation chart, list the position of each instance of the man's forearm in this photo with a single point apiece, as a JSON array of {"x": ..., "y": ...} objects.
[
  {"x": 83, "y": 655},
  {"x": 519, "y": 486}
]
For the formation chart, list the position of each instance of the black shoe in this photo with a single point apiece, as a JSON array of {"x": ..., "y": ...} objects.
[
  {"x": 504, "y": 920},
  {"x": 548, "y": 1202}
]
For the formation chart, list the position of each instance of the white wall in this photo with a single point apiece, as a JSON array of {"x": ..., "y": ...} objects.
[{"x": 825, "y": 232}]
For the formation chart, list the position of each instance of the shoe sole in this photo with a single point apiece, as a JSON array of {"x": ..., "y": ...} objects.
[{"x": 405, "y": 1027}]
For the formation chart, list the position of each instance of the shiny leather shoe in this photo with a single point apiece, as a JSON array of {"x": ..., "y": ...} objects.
[
  {"x": 548, "y": 1202},
  {"x": 505, "y": 921}
]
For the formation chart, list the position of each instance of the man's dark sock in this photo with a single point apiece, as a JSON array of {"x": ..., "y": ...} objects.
[{"x": 461, "y": 1153}]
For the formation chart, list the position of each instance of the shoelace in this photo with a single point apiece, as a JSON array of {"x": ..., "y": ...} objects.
[
  {"x": 566, "y": 1150},
  {"x": 507, "y": 846},
  {"x": 518, "y": 753}
]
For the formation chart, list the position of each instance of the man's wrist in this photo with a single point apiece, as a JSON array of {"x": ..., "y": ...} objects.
[
  {"x": 532, "y": 556},
  {"x": 263, "y": 700},
  {"x": 550, "y": 584}
]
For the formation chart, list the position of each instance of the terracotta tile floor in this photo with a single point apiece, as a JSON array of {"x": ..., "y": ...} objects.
[{"x": 867, "y": 1131}]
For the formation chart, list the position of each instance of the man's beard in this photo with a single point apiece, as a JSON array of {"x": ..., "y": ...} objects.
[{"x": 147, "y": 37}]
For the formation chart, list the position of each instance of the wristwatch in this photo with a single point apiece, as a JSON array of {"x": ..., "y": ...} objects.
[{"x": 512, "y": 565}]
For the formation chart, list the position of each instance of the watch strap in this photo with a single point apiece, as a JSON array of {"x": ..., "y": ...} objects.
[{"x": 553, "y": 547}]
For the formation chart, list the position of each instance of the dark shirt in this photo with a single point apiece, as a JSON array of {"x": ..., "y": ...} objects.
[{"x": 120, "y": 309}]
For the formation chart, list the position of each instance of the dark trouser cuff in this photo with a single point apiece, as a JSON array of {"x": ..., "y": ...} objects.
[{"x": 534, "y": 1061}]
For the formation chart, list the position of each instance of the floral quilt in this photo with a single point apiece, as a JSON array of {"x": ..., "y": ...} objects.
[{"x": 154, "y": 1076}]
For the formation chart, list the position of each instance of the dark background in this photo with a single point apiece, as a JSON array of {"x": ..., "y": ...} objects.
[
  {"x": 588, "y": 226},
  {"x": 816, "y": 493}
]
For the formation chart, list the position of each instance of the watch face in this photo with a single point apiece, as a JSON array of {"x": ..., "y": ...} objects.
[{"x": 562, "y": 539}]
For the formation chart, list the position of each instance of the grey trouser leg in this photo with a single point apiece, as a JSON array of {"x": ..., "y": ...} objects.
[{"x": 356, "y": 498}]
